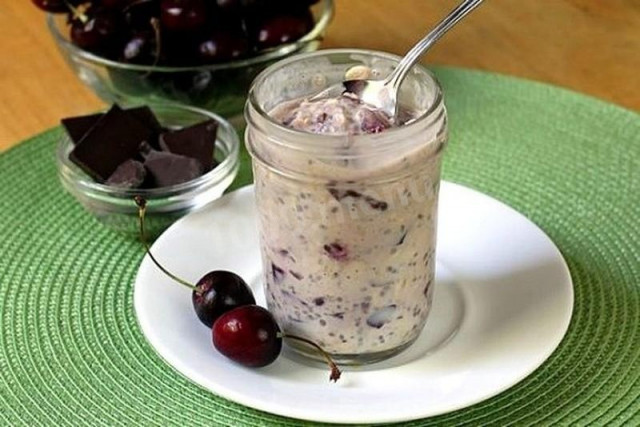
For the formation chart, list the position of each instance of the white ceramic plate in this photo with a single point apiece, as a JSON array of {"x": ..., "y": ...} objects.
[{"x": 503, "y": 302}]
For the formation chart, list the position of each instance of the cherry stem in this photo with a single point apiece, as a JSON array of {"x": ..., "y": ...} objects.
[
  {"x": 155, "y": 24},
  {"x": 77, "y": 13},
  {"x": 142, "y": 208},
  {"x": 335, "y": 370}
]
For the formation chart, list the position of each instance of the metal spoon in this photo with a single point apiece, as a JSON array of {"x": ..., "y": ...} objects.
[{"x": 383, "y": 94}]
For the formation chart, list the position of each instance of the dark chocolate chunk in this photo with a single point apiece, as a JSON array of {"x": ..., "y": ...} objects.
[
  {"x": 77, "y": 127},
  {"x": 114, "y": 139},
  {"x": 145, "y": 116},
  {"x": 339, "y": 194},
  {"x": 376, "y": 204},
  {"x": 171, "y": 169},
  {"x": 195, "y": 141},
  {"x": 130, "y": 174}
]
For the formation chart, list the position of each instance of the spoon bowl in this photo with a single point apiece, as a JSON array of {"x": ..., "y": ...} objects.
[{"x": 383, "y": 94}]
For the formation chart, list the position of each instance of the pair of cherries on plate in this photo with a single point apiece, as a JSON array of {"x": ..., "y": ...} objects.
[{"x": 241, "y": 330}]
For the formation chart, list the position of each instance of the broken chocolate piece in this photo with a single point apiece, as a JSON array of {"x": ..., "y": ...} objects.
[
  {"x": 169, "y": 169},
  {"x": 339, "y": 194},
  {"x": 112, "y": 140},
  {"x": 145, "y": 116},
  {"x": 376, "y": 204},
  {"x": 195, "y": 141},
  {"x": 130, "y": 174},
  {"x": 77, "y": 127}
]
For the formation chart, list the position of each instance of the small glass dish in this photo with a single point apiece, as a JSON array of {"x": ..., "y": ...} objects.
[
  {"x": 115, "y": 207},
  {"x": 221, "y": 87}
]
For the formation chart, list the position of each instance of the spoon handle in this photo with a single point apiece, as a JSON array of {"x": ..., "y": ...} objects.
[{"x": 398, "y": 75}]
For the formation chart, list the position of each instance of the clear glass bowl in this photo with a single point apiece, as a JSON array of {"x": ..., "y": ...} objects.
[
  {"x": 221, "y": 88},
  {"x": 116, "y": 208}
]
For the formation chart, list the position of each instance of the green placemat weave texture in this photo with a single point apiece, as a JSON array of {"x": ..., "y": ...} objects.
[{"x": 71, "y": 352}]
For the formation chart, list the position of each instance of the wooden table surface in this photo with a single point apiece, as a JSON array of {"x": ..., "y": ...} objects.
[{"x": 591, "y": 46}]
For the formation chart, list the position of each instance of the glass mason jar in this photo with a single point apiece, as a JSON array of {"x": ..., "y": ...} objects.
[{"x": 347, "y": 223}]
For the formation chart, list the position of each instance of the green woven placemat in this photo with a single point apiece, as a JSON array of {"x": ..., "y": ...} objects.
[{"x": 71, "y": 352}]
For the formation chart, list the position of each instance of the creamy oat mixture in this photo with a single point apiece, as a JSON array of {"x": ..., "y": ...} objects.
[
  {"x": 335, "y": 116},
  {"x": 350, "y": 264}
]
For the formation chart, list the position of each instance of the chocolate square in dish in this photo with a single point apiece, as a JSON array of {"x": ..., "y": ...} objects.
[
  {"x": 77, "y": 127},
  {"x": 197, "y": 141},
  {"x": 112, "y": 140},
  {"x": 167, "y": 168},
  {"x": 147, "y": 118},
  {"x": 129, "y": 174}
]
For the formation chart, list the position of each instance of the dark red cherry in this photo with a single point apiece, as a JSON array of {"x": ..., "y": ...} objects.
[
  {"x": 222, "y": 46},
  {"x": 183, "y": 15},
  {"x": 179, "y": 49},
  {"x": 99, "y": 33},
  {"x": 281, "y": 29},
  {"x": 53, "y": 6},
  {"x": 229, "y": 5},
  {"x": 239, "y": 6},
  {"x": 58, "y": 6},
  {"x": 140, "y": 49},
  {"x": 374, "y": 121},
  {"x": 116, "y": 4},
  {"x": 248, "y": 335},
  {"x": 139, "y": 14},
  {"x": 218, "y": 292}
]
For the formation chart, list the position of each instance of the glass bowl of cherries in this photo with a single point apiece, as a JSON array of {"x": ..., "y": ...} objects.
[{"x": 203, "y": 53}]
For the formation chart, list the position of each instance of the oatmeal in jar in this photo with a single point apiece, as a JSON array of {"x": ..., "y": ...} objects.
[{"x": 347, "y": 201}]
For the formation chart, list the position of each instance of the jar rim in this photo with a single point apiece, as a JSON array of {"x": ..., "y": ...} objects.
[{"x": 320, "y": 141}]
